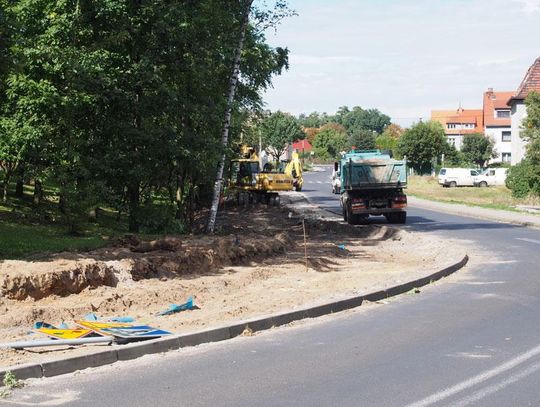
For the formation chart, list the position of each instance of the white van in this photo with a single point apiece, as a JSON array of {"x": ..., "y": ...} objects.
[
  {"x": 457, "y": 177},
  {"x": 336, "y": 179},
  {"x": 491, "y": 176}
]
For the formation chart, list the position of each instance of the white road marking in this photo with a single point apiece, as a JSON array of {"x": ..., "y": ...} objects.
[
  {"x": 524, "y": 239},
  {"x": 499, "y": 386},
  {"x": 320, "y": 182},
  {"x": 473, "y": 381}
]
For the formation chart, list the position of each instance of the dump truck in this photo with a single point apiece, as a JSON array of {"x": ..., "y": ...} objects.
[
  {"x": 371, "y": 183},
  {"x": 253, "y": 185}
]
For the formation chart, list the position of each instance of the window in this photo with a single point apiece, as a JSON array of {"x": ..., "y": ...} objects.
[
  {"x": 502, "y": 114},
  {"x": 452, "y": 141},
  {"x": 506, "y": 157},
  {"x": 474, "y": 173},
  {"x": 506, "y": 136},
  {"x": 451, "y": 125},
  {"x": 468, "y": 125}
]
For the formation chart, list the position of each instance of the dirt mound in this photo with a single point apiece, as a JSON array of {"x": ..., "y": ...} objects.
[
  {"x": 164, "y": 258},
  {"x": 62, "y": 280},
  {"x": 207, "y": 256}
]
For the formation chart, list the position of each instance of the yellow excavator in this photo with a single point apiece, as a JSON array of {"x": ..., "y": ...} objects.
[{"x": 252, "y": 185}]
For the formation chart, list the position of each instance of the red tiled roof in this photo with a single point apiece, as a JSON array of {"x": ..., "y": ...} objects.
[
  {"x": 494, "y": 101},
  {"x": 302, "y": 145},
  {"x": 460, "y": 116},
  {"x": 530, "y": 82}
]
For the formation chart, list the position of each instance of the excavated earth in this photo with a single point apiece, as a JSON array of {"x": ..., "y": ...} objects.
[{"x": 255, "y": 265}]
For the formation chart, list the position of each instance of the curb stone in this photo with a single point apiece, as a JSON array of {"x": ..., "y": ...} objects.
[{"x": 132, "y": 351}]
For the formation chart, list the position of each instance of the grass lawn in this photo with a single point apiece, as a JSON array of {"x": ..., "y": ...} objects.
[
  {"x": 26, "y": 231},
  {"x": 19, "y": 240},
  {"x": 490, "y": 197}
]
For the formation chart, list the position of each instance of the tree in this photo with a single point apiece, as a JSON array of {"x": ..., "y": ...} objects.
[
  {"x": 265, "y": 19},
  {"x": 278, "y": 130},
  {"x": 527, "y": 173},
  {"x": 422, "y": 144},
  {"x": 314, "y": 119},
  {"x": 393, "y": 131},
  {"x": 453, "y": 157},
  {"x": 478, "y": 149},
  {"x": 362, "y": 139},
  {"x": 360, "y": 119},
  {"x": 329, "y": 142},
  {"x": 311, "y": 133}
]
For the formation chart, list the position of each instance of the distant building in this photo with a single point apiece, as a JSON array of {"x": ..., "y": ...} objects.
[
  {"x": 531, "y": 82},
  {"x": 458, "y": 123},
  {"x": 302, "y": 146},
  {"x": 497, "y": 123}
]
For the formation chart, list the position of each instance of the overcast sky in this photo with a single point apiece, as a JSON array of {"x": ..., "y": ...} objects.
[{"x": 403, "y": 57}]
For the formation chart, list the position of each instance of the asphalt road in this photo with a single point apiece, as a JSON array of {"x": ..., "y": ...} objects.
[{"x": 473, "y": 339}]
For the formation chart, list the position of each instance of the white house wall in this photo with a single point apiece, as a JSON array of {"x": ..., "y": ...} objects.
[
  {"x": 519, "y": 111},
  {"x": 502, "y": 147}
]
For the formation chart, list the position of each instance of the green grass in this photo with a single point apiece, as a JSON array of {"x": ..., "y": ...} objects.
[
  {"x": 491, "y": 197},
  {"x": 20, "y": 240},
  {"x": 26, "y": 231}
]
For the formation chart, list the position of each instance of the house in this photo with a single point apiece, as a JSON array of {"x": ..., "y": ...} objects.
[
  {"x": 497, "y": 123},
  {"x": 302, "y": 146},
  {"x": 457, "y": 123},
  {"x": 531, "y": 82}
]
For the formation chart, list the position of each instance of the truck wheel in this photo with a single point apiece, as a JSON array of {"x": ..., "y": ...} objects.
[
  {"x": 396, "y": 217},
  {"x": 277, "y": 200},
  {"x": 298, "y": 188},
  {"x": 401, "y": 218},
  {"x": 483, "y": 184},
  {"x": 352, "y": 219},
  {"x": 453, "y": 184},
  {"x": 344, "y": 214}
]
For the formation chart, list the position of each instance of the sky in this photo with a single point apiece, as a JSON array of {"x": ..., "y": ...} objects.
[{"x": 403, "y": 57}]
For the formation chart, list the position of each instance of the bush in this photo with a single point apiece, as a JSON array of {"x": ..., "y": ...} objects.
[
  {"x": 521, "y": 179},
  {"x": 160, "y": 219}
]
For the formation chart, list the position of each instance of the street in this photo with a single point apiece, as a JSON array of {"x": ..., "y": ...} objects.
[{"x": 472, "y": 339}]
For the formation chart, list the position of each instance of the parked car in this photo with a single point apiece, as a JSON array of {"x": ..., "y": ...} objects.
[
  {"x": 457, "y": 177},
  {"x": 336, "y": 181},
  {"x": 490, "y": 177}
]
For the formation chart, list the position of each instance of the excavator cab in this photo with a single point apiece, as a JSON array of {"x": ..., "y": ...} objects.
[{"x": 244, "y": 173}]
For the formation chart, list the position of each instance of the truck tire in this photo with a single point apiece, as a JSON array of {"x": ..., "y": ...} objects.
[
  {"x": 452, "y": 184},
  {"x": 483, "y": 184},
  {"x": 298, "y": 188},
  {"x": 352, "y": 219},
  {"x": 396, "y": 217},
  {"x": 344, "y": 213}
]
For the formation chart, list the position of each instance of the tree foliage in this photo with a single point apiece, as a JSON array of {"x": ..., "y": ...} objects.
[
  {"x": 329, "y": 142},
  {"x": 478, "y": 149},
  {"x": 121, "y": 103},
  {"x": 362, "y": 139},
  {"x": 524, "y": 178},
  {"x": 279, "y": 129},
  {"x": 360, "y": 119},
  {"x": 423, "y": 143}
]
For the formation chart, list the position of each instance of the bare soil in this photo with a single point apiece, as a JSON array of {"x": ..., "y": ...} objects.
[{"x": 255, "y": 266}]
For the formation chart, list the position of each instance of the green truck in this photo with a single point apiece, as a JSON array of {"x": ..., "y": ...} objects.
[{"x": 371, "y": 182}]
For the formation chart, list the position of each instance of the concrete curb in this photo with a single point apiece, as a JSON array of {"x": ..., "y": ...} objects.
[{"x": 132, "y": 351}]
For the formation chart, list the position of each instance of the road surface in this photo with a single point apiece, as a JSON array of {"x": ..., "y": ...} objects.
[{"x": 469, "y": 340}]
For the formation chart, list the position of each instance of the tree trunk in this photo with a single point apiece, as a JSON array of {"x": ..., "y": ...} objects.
[
  {"x": 227, "y": 121},
  {"x": 38, "y": 192},
  {"x": 5, "y": 189},
  {"x": 133, "y": 203},
  {"x": 19, "y": 188}
]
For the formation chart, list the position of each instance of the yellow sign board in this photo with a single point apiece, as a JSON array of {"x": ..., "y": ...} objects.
[{"x": 65, "y": 333}]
